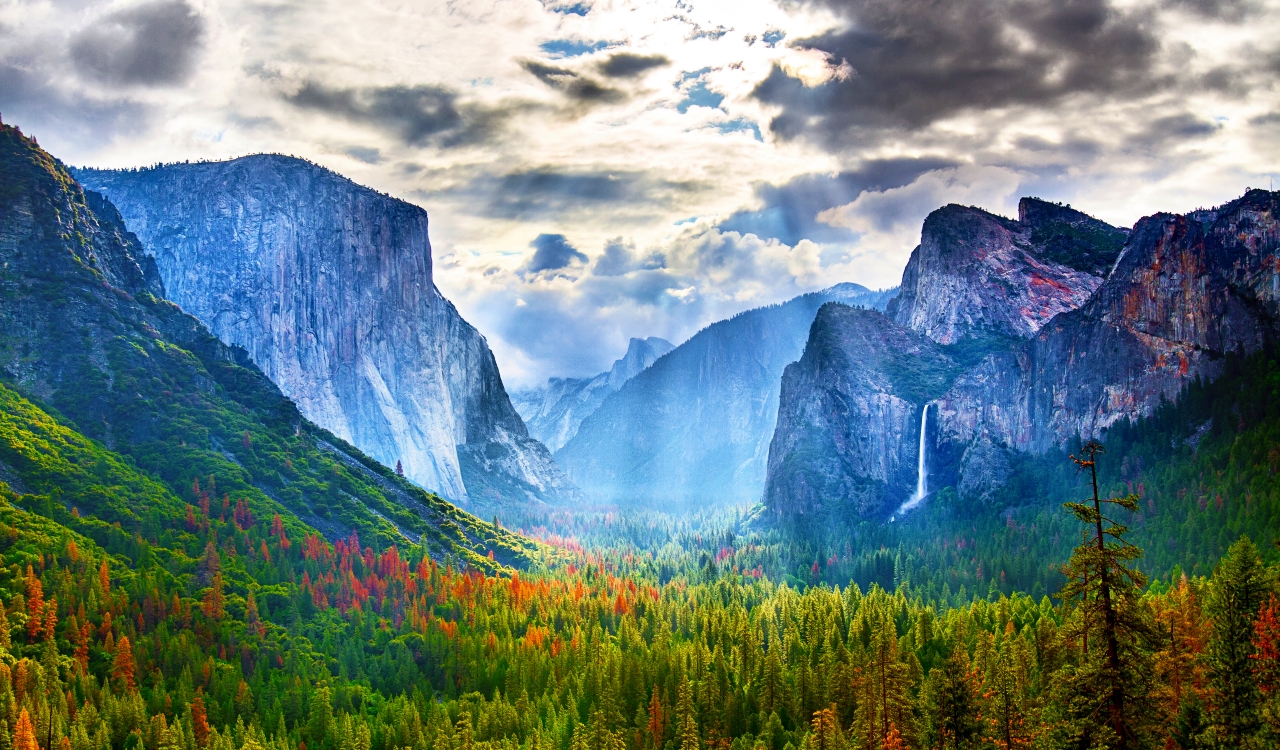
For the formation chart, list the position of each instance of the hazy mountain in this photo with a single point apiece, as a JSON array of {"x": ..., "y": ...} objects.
[
  {"x": 553, "y": 411},
  {"x": 694, "y": 428}
]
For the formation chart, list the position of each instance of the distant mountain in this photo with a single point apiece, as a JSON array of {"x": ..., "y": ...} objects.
[
  {"x": 694, "y": 428},
  {"x": 1181, "y": 293},
  {"x": 128, "y": 414},
  {"x": 328, "y": 286},
  {"x": 553, "y": 411}
]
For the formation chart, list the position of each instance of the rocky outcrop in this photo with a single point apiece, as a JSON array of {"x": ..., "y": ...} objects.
[
  {"x": 694, "y": 428},
  {"x": 1186, "y": 291},
  {"x": 989, "y": 290},
  {"x": 976, "y": 275},
  {"x": 553, "y": 411},
  {"x": 328, "y": 286},
  {"x": 848, "y": 432}
]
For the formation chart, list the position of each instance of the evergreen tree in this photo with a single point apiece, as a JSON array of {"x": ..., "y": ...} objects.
[
  {"x": 1100, "y": 575},
  {"x": 1237, "y": 591}
]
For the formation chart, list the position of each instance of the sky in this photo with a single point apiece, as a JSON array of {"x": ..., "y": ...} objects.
[{"x": 596, "y": 170}]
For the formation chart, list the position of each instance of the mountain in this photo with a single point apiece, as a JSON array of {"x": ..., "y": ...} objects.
[
  {"x": 1187, "y": 290},
  {"x": 118, "y": 405},
  {"x": 553, "y": 411},
  {"x": 977, "y": 275},
  {"x": 847, "y": 408},
  {"x": 328, "y": 287},
  {"x": 694, "y": 428},
  {"x": 1183, "y": 292}
]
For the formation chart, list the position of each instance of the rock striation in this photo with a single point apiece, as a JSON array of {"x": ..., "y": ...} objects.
[
  {"x": 694, "y": 428},
  {"x": 553, "y": 411},
  {"x": 976, "y": 275},
  {"x": 328, "y": 286}
]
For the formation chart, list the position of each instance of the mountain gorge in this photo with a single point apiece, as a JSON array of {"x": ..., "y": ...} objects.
[
  {"x": 1045, "y": 352},
  {"x": 693, "y": 429},
  {"x": 554, "y": 411},
  {"x": 328, "y": 288}
]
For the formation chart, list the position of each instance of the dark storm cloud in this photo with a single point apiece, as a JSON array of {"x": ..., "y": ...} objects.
[
  {"x": 542, "y": 192},
  {"x": 152, "y": 44},
  {"x": 578, "y": 88},
  {"x": 916, "y": 61},
  {"x": 790, "y": 210},
  {"x": 552, "y": 252},
  {"x": 1173, "y": 129},
  {"x": 629, "y": 64},
  {"x": 40, "y": 108},
  {"x": 418, "y": 115}
]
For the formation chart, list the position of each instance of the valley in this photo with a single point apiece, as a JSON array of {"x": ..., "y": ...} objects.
[{"x": 263, "y": 488}]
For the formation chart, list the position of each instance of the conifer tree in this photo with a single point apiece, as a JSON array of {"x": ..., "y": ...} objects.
[
  {"x": 952, "y": 703},
  {"x": 1237, "y": 591},
  {"x": 124, "y": 665},
  {"x": 686, "y": 722},
  {"x": 1101, "y": 576}
]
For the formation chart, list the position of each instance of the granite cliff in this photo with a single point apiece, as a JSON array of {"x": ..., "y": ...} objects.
[
  {"x": 1179, "y": 293},
  {"x": 976, "y": 275},
  {"x": 553, "y": 411},
  {"x": 693, "y": 429},
  {"x": 328, "y": 286},
  {"x": 849, "y": 416},
  {"x": 1187, "y": 290}
]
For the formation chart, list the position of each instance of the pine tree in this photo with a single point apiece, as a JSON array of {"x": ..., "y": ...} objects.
[
  {"x": 123, "y": 665},
  {"x": 686, "y": 722},
  {"x": 199, "y": 719},
  {"x": 1100, "y": 575},
  {"x": 1237, "y": 591},
  {"x": 24, "y": 734},
  {"x": 953, "y": 703}
]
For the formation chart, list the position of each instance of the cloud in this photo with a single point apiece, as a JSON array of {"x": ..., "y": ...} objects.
[
  {"x": 553, "y": 252},
  {"x": 541, "y": 192},
  {"x": 152, "y": 44},
  {"x": 914, "y": 62},
  {"x": 578, "y": 88},
  {"x": 790, "y": 210},
  {"x": 418, "y": 115},
  {"x": 630, "y": 65},
  {"x": 620, "y": 258},
  {"x": 889, "y": 220},
  {"x": 1232, "y": 11}
]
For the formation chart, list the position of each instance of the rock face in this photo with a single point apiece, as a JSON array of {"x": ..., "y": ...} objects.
[
  {"x": 976, "y": 275},
  {"x": 554, "y": 411},
  {"x": 848, "y": 430},
  {"x": 694, "y": 428},
  {"x": 328, "y": 286},
  {"x": 1187, "y": 290},
  {"x": 1183, "y": 292}
]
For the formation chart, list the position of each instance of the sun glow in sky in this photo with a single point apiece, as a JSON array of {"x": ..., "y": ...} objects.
[{"x": 600, "y": 170}]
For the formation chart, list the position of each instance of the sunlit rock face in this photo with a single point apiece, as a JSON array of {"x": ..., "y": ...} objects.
[
  {"x": 693, "y": 429},
  {"x": 1186, "y": 291},
  {"x": 977, "y": 275},
  {"x": 328, "y": 286},
  {"x": 553, "y": 411}
]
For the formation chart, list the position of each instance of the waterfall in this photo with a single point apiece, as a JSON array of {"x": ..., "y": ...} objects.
[{"x": 922, "y": 470}]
